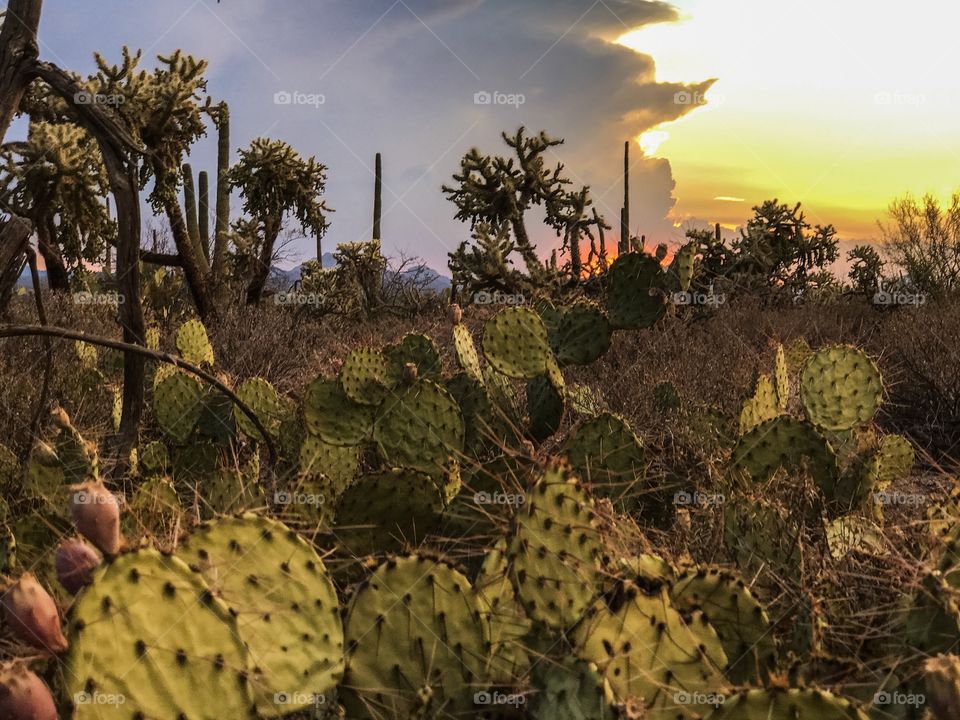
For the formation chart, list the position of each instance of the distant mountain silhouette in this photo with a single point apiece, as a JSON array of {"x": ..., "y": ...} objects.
[{"x": 435, "y": 281}]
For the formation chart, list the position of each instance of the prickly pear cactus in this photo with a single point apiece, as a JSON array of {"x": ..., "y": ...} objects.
[
  {"x": 416, "y": 644},
  {"x": 154, "y": 457},
  {"x": 366, "y": 376},
  {"x": 286, "y": 607},
  {"x": 763, "y": 405},
  {"x": 607, "y": 455},
  {"x": 739, "y": 619},
  {"x": 383, "y": 511},
  {"x": 261, "y": 397},
  {"x": 151, "y": 631},
  {"x": 645, "y": 649},
  {"x": 466, "y": 352},
  {"x": 788, "y": 443},
  {"x": 554, "y": 550},
  {"x": 515, "y": 343},
  {"x": 572, "y": 690},
  {"x": 177, "y": 404},
  {"x": 686, "y": 257},
  {"x": 336, "y": 464},
  {"x": 781, "y": 376},
  {"x": 193, "y": 343},
  {"x": 333, "y": 416},
  {"x": 792, "y": 704},
  {"x": 582, "y": 335},
  {"x": 508, "y": 661},
  {"x": 545, "y": 405},
  {"x": 841, "y": 388},
  {"x": 416, "y": 349},
  {"x": 420, "y": 427},
  {"x": 634, "y": 299}
]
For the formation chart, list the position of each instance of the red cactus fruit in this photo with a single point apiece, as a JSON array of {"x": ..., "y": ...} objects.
[
  {"x": 96, "y": 514},
  {"x": 33, "y": 616},
  {"x": 75, "y": 563},
  {"x": 24, "y": 696}
]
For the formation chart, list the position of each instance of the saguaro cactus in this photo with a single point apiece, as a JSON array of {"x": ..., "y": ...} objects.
[
  {"x": 203, "y": 212},
  {"x": 222, "y": 225},
  {"x": 624, "y": 246}
]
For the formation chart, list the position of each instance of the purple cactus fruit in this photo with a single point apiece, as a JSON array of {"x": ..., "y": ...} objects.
[
  {"x": 96, "y": 514},
  {"x": 24, "y": 696},
  {"x": 75, "y": 562},
  {"x": 33, "y": 615}
]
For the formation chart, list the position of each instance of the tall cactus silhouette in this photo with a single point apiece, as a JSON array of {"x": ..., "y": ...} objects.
[
  {"x": 624, "y": 246},
  {"x": 377, "y": 198},
  {"x": 222, "y": 226},
  {"x": 203, "y": 212},
  {"x": 190, "y": 204}
]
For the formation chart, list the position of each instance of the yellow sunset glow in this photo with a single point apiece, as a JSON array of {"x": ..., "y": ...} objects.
[
  {"x": 651, "y": 141},
  {"x": 842, "y": 106}
]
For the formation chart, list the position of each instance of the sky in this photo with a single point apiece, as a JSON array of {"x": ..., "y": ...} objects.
[{"x": 841, "y": 105}]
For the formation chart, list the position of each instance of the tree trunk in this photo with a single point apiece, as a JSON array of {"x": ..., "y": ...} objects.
[
  {"x": 116, "y": 144},
  {"x": 57, "y": 277},
  {"x": 261, "y": 271},
  {"x": 15, "y": 235},
  {"x": 529, "y": 255},
  {"x": 18, "y": 54},
  {"x": 576, "y": 265}
]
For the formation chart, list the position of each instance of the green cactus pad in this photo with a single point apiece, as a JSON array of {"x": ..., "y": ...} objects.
[
  {"x": 572, "y": 690},
  {"x": 759, "y": 535},
  {"x": 646, "y": 569},
  {"x": 337, "y": 464},
  {"x": 554, "y": 550},
  {"x": 841, "y": 388},
  {"x": 781, "y": 376},
  {"x": 582, "y": 335},
  {"x": 466, "y": 352},
  {"x": 260, "y": 396},
  {"x": 229, "y": 490},
  {"x": 505, "y": 618},
  {"x": 416, "y": 643},
  {"x": 149, "y": 630},
  {"x": 634, "y": 299},
  {"x": 177, "y": 404},
  {"x": 286, "y": 607},
  {"x": 792, "y": 704},
  {"x": 607, "y": 455},
  {"x": 154, "y": 457},
  {"x": 193, "y": 343},
  {"x": 586, "y": 400},
  {"x": 194, "y": 461},
  {"x": 545, "y": 406},
  {"x": 895, "y": 458},
  {"x": 739, "y": 619},
  {"x": 333, "y": 416},
  {"x": 385, "y": 511},
  {"x": 366, "y": 376},
  {"x": 763, "y": 405},
  {"x": 478, "y": 414},
  {"x": 420, "y": 427},
  {"x": 515, "y": 343},
  {"x": 77, "y": 458},
  {"x": 788, "y": 443},
  {"x": 416, "y": 349},
  {"x": 647, "y": 651},
  {"x": 686, "y": 257},
  {"x": 216, "y": 417}
]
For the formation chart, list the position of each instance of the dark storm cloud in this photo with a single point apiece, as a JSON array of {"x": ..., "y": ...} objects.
[{"x": 403, "y": 77}]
